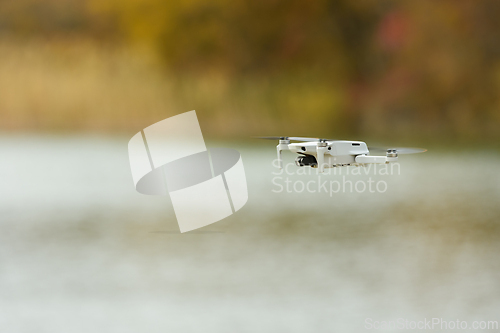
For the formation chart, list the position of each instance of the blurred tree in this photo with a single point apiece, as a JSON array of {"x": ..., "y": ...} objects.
[
  {"x": 275, "y": 39},
  {"x": 248, "y": 36},
  {"x": 50, "y": 17},
  {"x": 437, "y": 67},
  {"x": 386, "y": 67}
]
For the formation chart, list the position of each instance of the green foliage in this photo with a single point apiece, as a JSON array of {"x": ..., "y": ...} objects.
[
  {"x": 242, "y": 37},
  {"x": 376, "y": 68}
]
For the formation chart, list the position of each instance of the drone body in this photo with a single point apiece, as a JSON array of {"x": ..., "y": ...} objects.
[{"x": 324, "y": 153}]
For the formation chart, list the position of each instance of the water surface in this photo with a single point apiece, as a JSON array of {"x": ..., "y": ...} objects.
[{"x": 81, "y": 251}]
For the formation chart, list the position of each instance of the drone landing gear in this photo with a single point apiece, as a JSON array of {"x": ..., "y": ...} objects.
[{"x": 283, "y": 145}]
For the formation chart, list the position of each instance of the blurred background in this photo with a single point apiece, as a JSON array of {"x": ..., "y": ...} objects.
[
  {"x": 366, "y": 68},
  {"x": 81, "y": 251}
]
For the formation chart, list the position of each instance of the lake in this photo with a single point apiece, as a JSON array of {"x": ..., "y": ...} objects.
[{"x": 82, "y": 251}]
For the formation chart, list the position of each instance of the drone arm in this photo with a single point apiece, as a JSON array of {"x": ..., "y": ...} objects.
[
  {"x": 365, "y": 159},
  {"x": 321, "y": 157},
  {"x": 283, "y": 145},
  {"x": 280, "y": 164}
]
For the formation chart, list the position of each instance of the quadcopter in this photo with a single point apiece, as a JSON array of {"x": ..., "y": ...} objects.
[{"x": 328, "y": 153}]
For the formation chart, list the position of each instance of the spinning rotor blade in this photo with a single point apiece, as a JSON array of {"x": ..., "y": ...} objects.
[
  {"x": 294, "y": 138},
  {"x": 400, "y": 150},
  {"x": 298, "y": 138},
  {"x": 271, "y": 137}
]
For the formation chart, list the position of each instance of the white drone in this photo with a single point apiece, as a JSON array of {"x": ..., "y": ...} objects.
[{"x": 326, "y": 153}]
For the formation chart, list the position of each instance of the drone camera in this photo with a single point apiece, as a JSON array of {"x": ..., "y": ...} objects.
[{"x": 306, "y": 160}]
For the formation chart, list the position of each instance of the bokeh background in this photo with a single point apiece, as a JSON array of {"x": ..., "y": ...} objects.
[
  {"x": 365, "y": 68},
  {"x": 81, "y": 251}
]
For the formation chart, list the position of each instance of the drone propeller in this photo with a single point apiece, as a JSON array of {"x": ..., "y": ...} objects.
[
  {"x": 294, "y": 138},
  {"x": 400, "y": 150}
]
